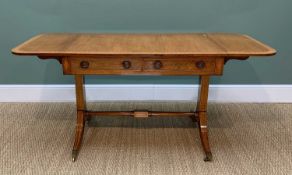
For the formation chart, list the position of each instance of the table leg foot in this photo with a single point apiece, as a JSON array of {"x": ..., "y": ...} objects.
[
  {"x": 208, "y": 157},
  {"x": 203, "y": 129},
  {"x": 74, "y": 155},
  {"x": 78, "y": 134}
]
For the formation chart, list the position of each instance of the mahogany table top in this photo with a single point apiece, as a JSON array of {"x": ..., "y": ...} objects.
[{"x": 196, "y": 44}]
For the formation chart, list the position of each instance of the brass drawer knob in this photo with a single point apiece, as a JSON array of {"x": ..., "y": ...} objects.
[
  {"x": 127, "y": 64},
  {"x": 84, "y": 64},
  {"x": 200, "y": 64},
  {"x": 157, "y": 64}
]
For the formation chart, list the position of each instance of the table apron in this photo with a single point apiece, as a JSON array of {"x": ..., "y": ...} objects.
[{"x": 135, "y": 65}]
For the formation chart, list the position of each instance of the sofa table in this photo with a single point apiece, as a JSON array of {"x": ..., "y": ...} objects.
[{"x": 202, "y": 54}]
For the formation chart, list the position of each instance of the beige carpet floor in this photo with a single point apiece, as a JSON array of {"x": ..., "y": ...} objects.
[{"x": 37, "y": 138}]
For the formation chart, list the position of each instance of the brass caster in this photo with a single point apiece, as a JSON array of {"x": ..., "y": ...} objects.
[
  {"x": 208, "y": 157},
  {"x": 74, "y": 155}
]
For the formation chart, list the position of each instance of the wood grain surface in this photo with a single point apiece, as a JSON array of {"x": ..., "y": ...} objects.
[{"x": 197, "y": 44}]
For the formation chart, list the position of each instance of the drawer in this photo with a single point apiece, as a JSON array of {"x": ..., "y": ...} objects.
[
  {"x": 102, "y": 66},
  {"x": 141, "y": 65},
  {"x": 184, "y": 66}
]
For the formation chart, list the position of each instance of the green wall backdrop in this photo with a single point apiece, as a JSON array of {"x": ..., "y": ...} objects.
[{"x": 267, "y": 20}]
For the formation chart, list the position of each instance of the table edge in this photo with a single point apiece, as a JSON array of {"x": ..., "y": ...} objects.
[{"x": 16, "y": 51}]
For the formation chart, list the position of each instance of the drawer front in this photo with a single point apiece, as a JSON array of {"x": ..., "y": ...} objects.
[
  {"x": 102, "y": 66},
  {"x": 174, "y": 66},
  {"x": 139, "y": 65}
]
